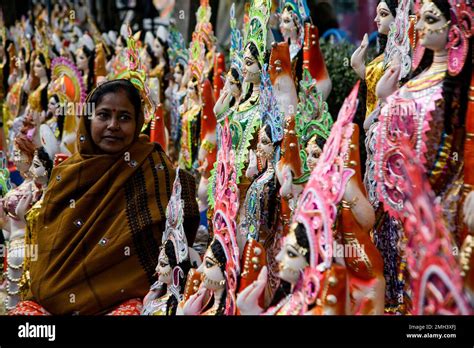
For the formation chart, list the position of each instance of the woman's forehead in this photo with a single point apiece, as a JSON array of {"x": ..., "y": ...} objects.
[{"x": 118, "y": 100}]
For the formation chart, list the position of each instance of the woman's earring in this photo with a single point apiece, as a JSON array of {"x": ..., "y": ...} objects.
[{"x": 457, "y": 50}]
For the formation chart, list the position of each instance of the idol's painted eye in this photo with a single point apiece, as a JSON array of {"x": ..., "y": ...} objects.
[
  {"x": 209, "y": 264},
  {"x": 430, "y": 19}
]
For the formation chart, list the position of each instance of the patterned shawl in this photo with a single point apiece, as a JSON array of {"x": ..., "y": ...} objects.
[{"x": 100, "y": 225}]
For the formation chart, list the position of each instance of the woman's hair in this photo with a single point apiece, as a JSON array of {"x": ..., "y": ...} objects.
[
  {"x": 172, "y": 303},
  {"x": 219, "y": 255},
  {"x": 44, "y": 91},
  {"x": 90, "y": 54},
  {"x": 45, "y": 160}
]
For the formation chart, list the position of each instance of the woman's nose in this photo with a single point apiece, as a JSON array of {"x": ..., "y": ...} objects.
[{"x": 114, "y": 123}]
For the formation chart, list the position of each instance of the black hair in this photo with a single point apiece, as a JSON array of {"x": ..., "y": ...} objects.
[
  {"x": 236, "y": 77},
  {"x": 302, "y": 239},
  {"x": 219, "y": 255},
  {"x": 27, "y": 63},
  {"x": 44, "y": 91},
  {"x": 392, "y": 5},
  {"x": 122, "y": 41},
  {"x": 283, "y": 290},
  {"x": 154, "y": 60},
  {"x": 45, "y": 160},
  {"x": 90, "y": 54},
  {"x": 172, "y": 303},
  {"x": 6, "y": 67}
]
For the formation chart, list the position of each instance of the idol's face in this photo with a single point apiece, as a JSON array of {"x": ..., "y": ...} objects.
[
  {"x": 384, "y": 18},
  {"x": 212, "y": 275},
  {"x": 81, "y": 60},
  {"x": 251, "y": 69},
  {"x": 163, "y": 269},
  {"x": 313, "y": 152},
  {"x": 38, "y": 171},
  {"x": 433, "y": 27},
  {"x": 39, "y": 68},
  {"x": 291, "y": 261}
]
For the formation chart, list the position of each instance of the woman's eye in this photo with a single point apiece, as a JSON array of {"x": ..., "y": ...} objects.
[
  {"x": 102, "y": 115},
  {"x": 125, "y": 117}
]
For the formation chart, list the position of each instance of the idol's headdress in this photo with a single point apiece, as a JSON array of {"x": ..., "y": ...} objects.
[
  {"x": 236, "y": 44},
  {"x": 177, "y": 51},
  {"x": 316, "y": 208},
  {"x": 270, "y": 112},
  {"x": 137, "y": 76},
  {"x": 174, "y": 229},
  {"x": 225, "y": 215},
  {"x": 312, "y": 116},
  {"x": 398, "y": 43},
  {"x": 259, "y": 15}
]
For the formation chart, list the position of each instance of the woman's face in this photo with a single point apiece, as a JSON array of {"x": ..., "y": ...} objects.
[
  {"x": 432, "y": 27},
  {"x": 39, "y": 69},
  {"x": 251, "y": 69},
  {"x": 163, "y": 268},
  {"x": 290, "y": 261},
  {"x": 118, "y": 46},
  {"x": 114, "y": 123},
  {"x": 287, "y": 24},
  {"x": 384, "y": 18},
  {"x": 265, "y": 147},
  {"x": 313, "y": 151},
  {"x": 81, "y": 59},
  {"x": 21, "y": 160},
  {"x": 38, "y": 171},
  {"x": 213, "y": 278}
]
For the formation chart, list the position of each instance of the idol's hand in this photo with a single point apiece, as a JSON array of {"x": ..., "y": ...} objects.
[
  {"x": 193, "y": 305},
  {"x": 247, "y": 300},
  {"x": 24, "y": 204},
  {"x": 388, "y": 84},
  {"x": 359, "y": 56},
  {"x": 252, "y": 169}
]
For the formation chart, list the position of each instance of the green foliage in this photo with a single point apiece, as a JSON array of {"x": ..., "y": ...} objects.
[{"x": 337, "y": 56}]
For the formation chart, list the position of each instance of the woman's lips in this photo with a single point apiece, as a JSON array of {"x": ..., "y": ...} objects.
[{"x": 112, "y": 138}]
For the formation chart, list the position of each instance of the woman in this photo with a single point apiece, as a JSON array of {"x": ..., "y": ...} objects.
[{"x": 103, "y": 214}]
